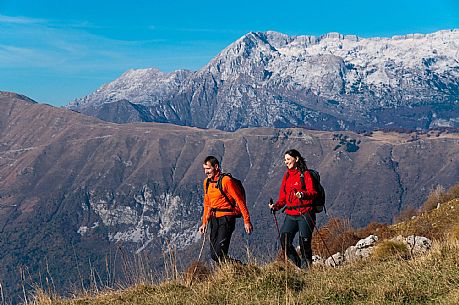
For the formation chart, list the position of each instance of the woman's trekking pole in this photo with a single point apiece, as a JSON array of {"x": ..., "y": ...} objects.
[
  {"x": 275, "y": 218},
  {"x": 318, "y": 233}
]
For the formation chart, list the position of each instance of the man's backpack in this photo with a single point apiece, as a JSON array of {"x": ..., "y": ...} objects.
[
  {"x": 237, "y": 183},
  {"x": 318, "y": 203}
]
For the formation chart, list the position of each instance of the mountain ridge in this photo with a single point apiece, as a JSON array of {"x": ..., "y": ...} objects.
[
  {"x": 74, "y": 185},
  {"x": 329, "y": 82}
]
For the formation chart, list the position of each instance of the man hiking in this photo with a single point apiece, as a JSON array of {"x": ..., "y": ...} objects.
[
  {"x": 222, "y": 205},
  {"x": 296, "y": 194}
]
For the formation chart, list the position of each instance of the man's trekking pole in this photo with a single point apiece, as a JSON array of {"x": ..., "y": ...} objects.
[
  {"x": 199, "y": 256},
  {"x": 275, "y": 218},
  {"x": 203, "y": 243}
]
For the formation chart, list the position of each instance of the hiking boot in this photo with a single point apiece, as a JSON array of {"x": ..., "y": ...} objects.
[{"x": 306, "y": 264}]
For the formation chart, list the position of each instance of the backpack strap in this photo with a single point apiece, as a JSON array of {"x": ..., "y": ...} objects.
[
  {"x": 220, "y": 187},
  {"x": 208, "y": 181},
  {"x": 303, "y": 184}
]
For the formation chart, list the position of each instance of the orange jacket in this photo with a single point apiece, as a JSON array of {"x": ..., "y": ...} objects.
[{"x": 215, "y": 200}]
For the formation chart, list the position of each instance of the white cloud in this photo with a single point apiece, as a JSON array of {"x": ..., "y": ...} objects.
[{"x": 20, "y": 20}]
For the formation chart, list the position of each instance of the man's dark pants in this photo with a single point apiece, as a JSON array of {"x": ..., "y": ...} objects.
[{"x": 221, "y": 229}]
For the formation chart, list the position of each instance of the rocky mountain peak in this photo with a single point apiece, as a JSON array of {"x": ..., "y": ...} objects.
[
  {"x": 137, "y": 86},
  {"x": 330, "y": 82}
]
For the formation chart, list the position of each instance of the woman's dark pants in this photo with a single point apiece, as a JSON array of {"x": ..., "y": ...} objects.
[{"x": 305, "y": 225}]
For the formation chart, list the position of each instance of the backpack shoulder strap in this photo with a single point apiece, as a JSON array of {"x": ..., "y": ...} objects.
[
  {"x": 220, "y": 180},
  {"x": 303, "y": 184},
  {"x": 207, "y": 185},
  {"x": 220, "y": 187}
]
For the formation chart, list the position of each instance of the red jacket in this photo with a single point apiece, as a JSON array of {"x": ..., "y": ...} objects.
[{"x": 291, "y": 184}]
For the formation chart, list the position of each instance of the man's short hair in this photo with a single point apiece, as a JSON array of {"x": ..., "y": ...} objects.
[{"x": 213, "y": 161}]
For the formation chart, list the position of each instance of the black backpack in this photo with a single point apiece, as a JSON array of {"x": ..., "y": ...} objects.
[
  {"x": 237, "y": 183},
  {"x": 319, "y": 202}
]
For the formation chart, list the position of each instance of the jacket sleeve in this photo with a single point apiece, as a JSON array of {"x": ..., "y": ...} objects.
[
  {"x": 281, "y": 202},
  {"x": 235, "y": 193},
  {"x": 205, "y": 213},
  {"x": 311, "y": 192}
]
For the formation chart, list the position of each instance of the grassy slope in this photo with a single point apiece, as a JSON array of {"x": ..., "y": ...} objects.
[{"x": 429, "y": 279}]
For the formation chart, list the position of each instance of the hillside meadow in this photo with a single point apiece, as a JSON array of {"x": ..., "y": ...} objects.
[{"x": 388, "y": 278}]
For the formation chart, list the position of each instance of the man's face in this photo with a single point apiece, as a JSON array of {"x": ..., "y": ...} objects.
[{"x": 210, "y": 171}]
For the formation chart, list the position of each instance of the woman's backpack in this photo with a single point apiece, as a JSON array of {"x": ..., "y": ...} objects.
[{"x": 319, "y": 201}]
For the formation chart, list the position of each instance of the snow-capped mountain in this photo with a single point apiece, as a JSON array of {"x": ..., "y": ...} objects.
[
  {"x": 269, "y": 79},
  {"x": 141, "y": 86}
]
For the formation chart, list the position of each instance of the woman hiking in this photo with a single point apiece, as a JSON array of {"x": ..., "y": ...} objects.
[{"x": 296, "y": 195}]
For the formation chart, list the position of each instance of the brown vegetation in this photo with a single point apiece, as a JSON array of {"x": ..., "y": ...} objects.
[
  {"x": 440, "y": 223},
  {"x": 406, "y": 214},
  {"x": 196, "y": 272},
  {"x": 430, "y": 279},
  {"x": 335, "y": 236},
  {"x": 338, "y": 234},
  {"x": 438, "y": 196},
  {"x": 390, "y": 249}
]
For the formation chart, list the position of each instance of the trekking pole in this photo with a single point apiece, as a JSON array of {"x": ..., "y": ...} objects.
[
  {"x": 275, "y": 218},
  {"x": 318, "y": 233},
  {"x": 199, "y": 256},
  {"x": 203, "y": 243}
]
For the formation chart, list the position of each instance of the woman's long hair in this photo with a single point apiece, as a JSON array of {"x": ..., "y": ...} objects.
[{"x": 301, "y": 163}]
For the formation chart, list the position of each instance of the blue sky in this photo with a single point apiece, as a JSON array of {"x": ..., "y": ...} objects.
[{"x": 56, "y": 50}]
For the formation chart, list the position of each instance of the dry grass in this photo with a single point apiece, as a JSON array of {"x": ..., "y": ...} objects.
[
  {"x": 337, "y": 235},
  {"x": 406, "y": 214},
  {"x": 439, "y": 196},
  {"x": 430, "y": 279},
  {"x": 453, "y": 233},
  {"x": 436, "y": 224},
  {"x": 196, "y": 272},
  {"x": 434, "y": 199},
  {"x": 389, "y": 249},
  {"x": 383, "y": 231}
]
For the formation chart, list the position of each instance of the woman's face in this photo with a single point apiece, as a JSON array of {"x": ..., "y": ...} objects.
[{"x": 290, "y": 161}]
